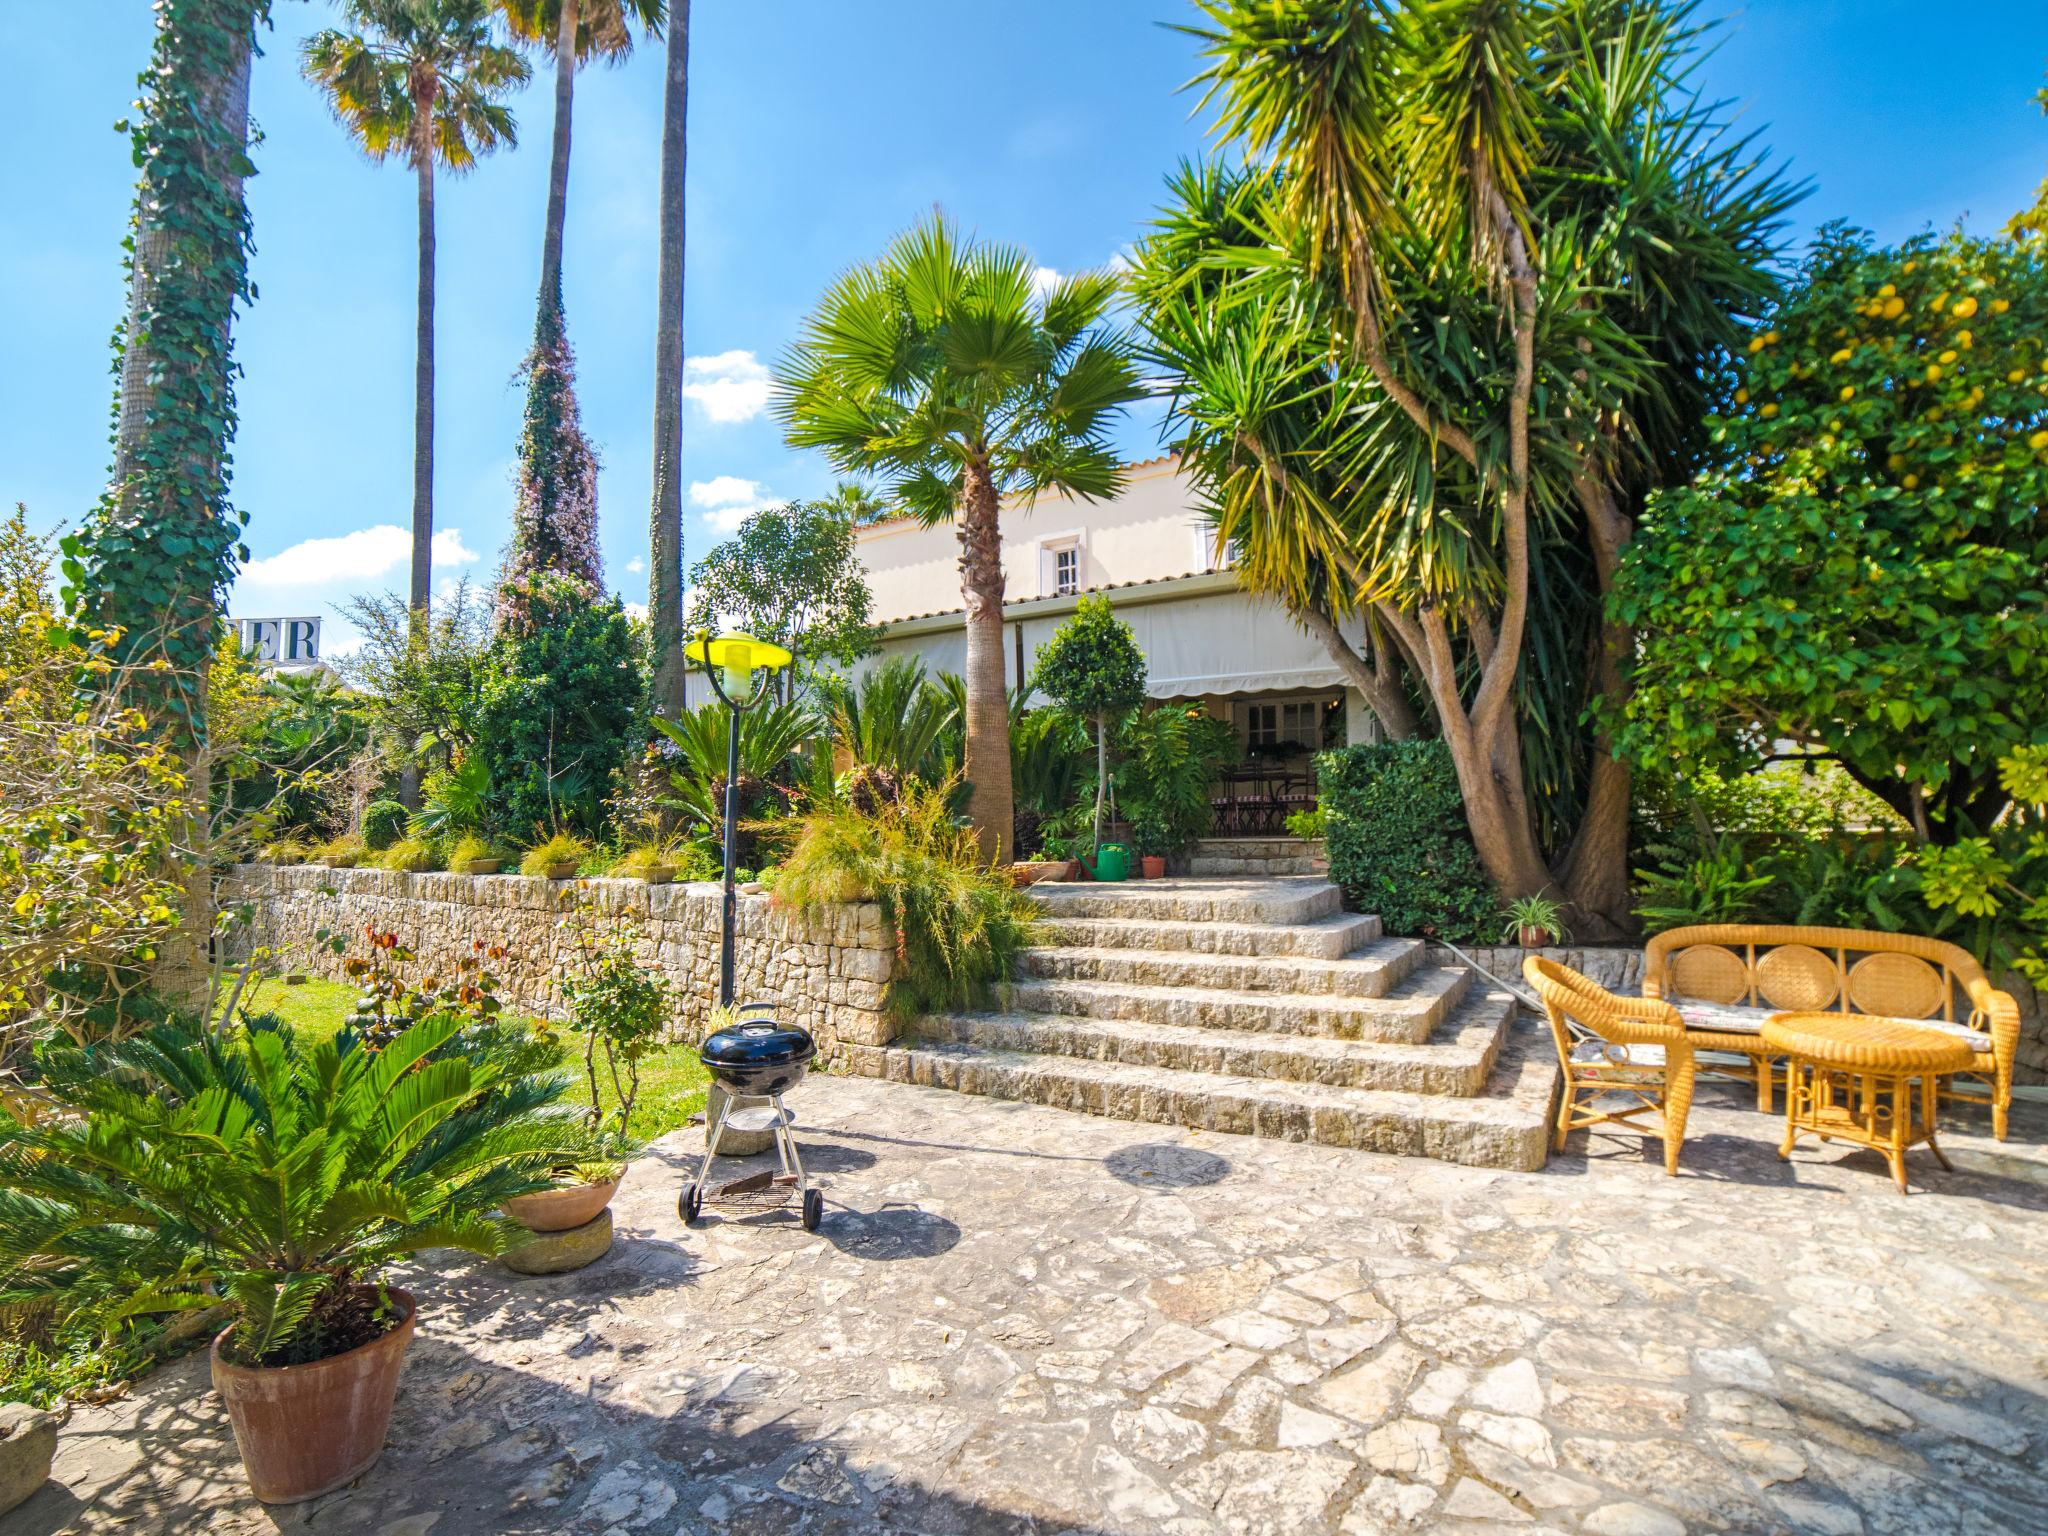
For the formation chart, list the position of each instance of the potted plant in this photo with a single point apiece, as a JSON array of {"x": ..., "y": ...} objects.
[
  {"x": 1149, "y": 837},
  {"x": 555, "y": 859},
  {"x": 620, "y": 1009},
  {"x": 473, "y": 855},
  {"x": 412, "y": 855},
  {"x": 238, "y": 1169},
  {"x": 656, "y": 863},
  {"x": 344, "y": 852},
  {"x": 1534, "y": 922}
]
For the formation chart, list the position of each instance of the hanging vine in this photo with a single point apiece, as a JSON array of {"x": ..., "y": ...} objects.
[{"x": 162, "y": 545}]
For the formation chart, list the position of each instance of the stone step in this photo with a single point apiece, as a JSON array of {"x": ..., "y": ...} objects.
[
  {"x": 1456, "y": 1062},
  {"x": 1503, "y": 1127},
  {"x": 1209, "y": 864},
  {"x": 1423, "y": 1002},
  {"x": 1370, "y": 971},
  {"x": 1253, "y": 848},
  {"x": 1325, "y": 938},
  {"x": 1288, "y": 899}
]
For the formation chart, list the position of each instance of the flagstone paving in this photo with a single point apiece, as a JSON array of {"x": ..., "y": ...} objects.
[{"x": 1020, "y": 1320}]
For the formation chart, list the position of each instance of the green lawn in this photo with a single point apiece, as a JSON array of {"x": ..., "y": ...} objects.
[{"x": 671, "y": 1080}]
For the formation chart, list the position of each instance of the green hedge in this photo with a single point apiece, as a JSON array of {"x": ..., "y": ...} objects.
[{"x": 1398, "y": 844}]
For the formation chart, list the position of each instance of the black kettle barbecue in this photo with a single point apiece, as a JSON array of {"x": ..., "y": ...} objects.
[{"x": 757, "y": 1058}]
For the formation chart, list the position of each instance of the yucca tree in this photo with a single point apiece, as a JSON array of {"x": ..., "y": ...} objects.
[
  {"x": 426, "y": 81},
  {"x": 1434, "y": 353},
  {"x": 936, "y": 370},
  {"x": 184, "y": 1168}
]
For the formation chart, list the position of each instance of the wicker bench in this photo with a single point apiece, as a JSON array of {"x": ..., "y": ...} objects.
[{"x": 1727, "y": 979}]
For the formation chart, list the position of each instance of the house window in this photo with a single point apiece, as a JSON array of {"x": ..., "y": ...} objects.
[
  {"x": 1062, "y": 565},
  {"x": 1283, "y": 726}
]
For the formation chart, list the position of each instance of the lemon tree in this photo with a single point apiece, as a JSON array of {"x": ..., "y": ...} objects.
[{"x": 1863, "y": 571}]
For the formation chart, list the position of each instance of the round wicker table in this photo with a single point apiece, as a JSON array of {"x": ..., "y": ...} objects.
[{"x": 1850, "y": 1077}]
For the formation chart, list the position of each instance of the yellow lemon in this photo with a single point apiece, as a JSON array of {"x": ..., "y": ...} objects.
[
  {"x": 1886, "y": 291},
  {"x": 1742, "y": 397},
  {"x": 2038, "y": 441},
  {"x": 1911, "y": 266},
  {"x": 2017, "y": 376},
  {"x": 1771, "y": 337},
  {"x": 1842, "y": 356},
  {"x": 1756, "y": 344},
  {"x": 1933, "y": 373},
  {"x": 1912, "y": 482},
  {"x": 1848, "y": 392},
  {"x": 1768, "y": 409},
  {"x": 1965, "y": 340},
  {"x": 1893, "y": 308},
  {"x": 1895, "y": 463},
  {"x": 1949, "y": 356},
  {"x": 1965, "y": 307},
  {"x": 2000, "y": 306}
]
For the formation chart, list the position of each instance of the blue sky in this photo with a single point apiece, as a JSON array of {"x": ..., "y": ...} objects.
[{"x": 818, "y": 129}]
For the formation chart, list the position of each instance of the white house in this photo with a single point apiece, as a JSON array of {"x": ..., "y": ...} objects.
[{"x": 1154, "y": 555}]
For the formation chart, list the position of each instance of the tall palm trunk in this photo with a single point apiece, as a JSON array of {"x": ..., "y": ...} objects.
[
  {"x": 421, "y": 595},
  {"x": 989, "y": 793},
  {"x": 558, "y": 163},
  {"x": 665, "y": 525}
]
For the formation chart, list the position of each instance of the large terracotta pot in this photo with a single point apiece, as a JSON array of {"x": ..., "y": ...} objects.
[
  {"x": 1153, "y": 865},
  {"x": 305, "y": 1430},
  {"x": 557, "y": 1210}
]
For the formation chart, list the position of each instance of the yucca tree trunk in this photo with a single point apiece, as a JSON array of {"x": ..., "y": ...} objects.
[
  {"x": 665, "y": 526},
  {"x": 989, "y": 797},
  {"x": 558, "y": 162}
]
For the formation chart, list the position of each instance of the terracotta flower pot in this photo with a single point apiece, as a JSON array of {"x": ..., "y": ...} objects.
[
  {"x": 1031, "y": 871},
  {"x": 304, "y": 1430},
  {"x": 1535, "y": 936},
  {"x": 557, "y": 1210},
  {"x": 658, "y": 874},
  {"x": 1153, "y": 865},
  {"x": 482, "y": 866},
  {"x": 563, "y": 870}
]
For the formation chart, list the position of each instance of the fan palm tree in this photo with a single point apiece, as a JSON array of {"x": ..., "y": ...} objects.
[
  {"x": 424, "y": 80},
  {"x": 665, "y": 526},
  {"x": 935, "y": 369},
  {"x": 574, "y": 32}
]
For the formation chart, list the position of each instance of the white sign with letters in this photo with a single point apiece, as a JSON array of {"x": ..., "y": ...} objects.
[{"x": 282, "y": 642}]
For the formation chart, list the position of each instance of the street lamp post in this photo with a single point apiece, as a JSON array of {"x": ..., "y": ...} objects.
[{"x": 741, "y": 669}]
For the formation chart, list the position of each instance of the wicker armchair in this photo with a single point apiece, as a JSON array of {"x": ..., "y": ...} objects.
[
  {"x": 1611, "y": 1045},
  {"x": 1726, "y": 979}
]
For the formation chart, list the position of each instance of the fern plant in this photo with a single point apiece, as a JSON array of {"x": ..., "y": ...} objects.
[{"x": 185, "y": 1168}]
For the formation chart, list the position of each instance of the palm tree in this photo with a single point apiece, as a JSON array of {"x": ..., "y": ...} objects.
[
  {"x": 422, "y": 79},
  {"x": 573, "y": 31},
  {"x": 665, "y": 525},
  {"x": 935, "y": 369}
]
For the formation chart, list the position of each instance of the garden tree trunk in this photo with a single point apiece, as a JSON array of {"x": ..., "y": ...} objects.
[
  {"x": 558, "y": 162},
  {"x": 1594, "y": 869},
  {"x": 988, "y": 708},
  {"x": 1380, "y": 682},
  {"x": 1101, "y": 773},
  {"x": 665, "y": 527},
  {"x": 223, "y": 97},
  {"x": 424, "y": 90}
]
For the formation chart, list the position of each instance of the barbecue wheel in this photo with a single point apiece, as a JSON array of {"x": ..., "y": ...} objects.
[
  {"x": 691, "y": 1204},
  {"x": 814, "y": 1209}
]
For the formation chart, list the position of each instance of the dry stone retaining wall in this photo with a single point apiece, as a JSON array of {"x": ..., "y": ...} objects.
[{"x": 829, "y": 970}]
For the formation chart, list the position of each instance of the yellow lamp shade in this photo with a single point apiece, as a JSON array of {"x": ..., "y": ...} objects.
[{"x": 738, "y": 657}]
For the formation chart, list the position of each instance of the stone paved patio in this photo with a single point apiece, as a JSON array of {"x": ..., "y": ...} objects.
[{"x": 1017, "y": 1319}]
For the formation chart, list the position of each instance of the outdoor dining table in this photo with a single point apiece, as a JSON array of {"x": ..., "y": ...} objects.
[{"x": 1850, "y": 1077}]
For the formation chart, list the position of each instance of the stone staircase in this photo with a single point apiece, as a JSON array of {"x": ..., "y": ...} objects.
[
  {"x": 1246, "y": 1005},
  {"x": 1210, "y": 857}
]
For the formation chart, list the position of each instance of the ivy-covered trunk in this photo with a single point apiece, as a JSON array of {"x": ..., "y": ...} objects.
[
  {"x": 158, "y": 552},
  {"x": 989, "y": 791},
  {"x": 665, "y": 528}
]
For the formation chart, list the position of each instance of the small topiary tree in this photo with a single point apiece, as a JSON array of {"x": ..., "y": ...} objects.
[
  {"x": 1397, "y": 840},
  {"x": 383, "y": 824},
  {"x": 1092, "y": 667}
]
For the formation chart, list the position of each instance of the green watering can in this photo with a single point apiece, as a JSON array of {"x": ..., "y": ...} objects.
[{"x": 1112, "y": 863}]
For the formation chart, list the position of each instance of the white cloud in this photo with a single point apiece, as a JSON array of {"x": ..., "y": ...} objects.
[
  {"x": 635, "y": 566},
  {"x": 636, "y": 610},
  {"x": 723, "y": 491},
  {"x": 362, "y": 555},
  {"x": 728, "y": 386},
  {"x": 1044, "y": 280},
  {"x": 728, "y": 519}
]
